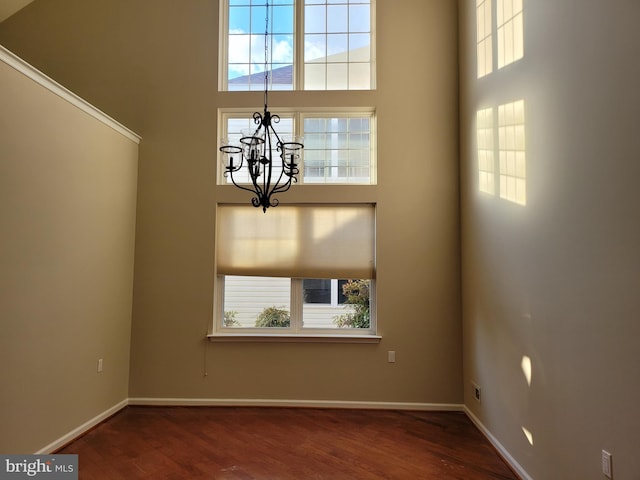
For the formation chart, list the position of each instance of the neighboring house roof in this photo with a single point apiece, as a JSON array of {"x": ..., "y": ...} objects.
[
  {"x": 284, "y": 75},
  {"x": 279, "y": 76}
]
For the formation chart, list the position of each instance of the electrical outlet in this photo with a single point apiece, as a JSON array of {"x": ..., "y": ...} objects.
[
  {"x": 100, "y": 362},
  {"x": 477, "y": 392},
  {"x": 606, "y": 464}
]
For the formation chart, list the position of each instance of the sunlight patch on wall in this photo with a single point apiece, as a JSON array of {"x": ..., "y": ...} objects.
[
  {"x": 486, "y": 160},
  {"x": 511, "y": 144},
  {"x": 526, "y": 368},
  {"x": 484, "y": 37},
  {"x": 510, "y": 31},
  {"x": 529, "y": 435},
  {"x": 499, "y": 34}
]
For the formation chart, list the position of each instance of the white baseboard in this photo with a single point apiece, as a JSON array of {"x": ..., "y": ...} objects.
[
  {"x": 76, "y": 432},
  {"x": 241, "y": 402},
  {"x": 521, "y": 472}
]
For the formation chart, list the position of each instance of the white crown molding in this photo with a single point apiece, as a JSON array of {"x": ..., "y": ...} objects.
[{"x": 40, "y": 78}]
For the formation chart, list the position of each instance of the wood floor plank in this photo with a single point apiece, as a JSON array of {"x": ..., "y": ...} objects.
[{"x": 248, "y": 443}]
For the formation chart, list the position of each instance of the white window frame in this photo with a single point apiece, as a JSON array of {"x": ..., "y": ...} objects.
[
  {"x": 298, "y": 117},
  {"x": 296, "y": 331},
  {"x": 296, "y": 328},
  {"x": 298, "y": 47}
]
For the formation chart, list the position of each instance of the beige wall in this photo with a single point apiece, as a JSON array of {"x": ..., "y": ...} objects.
[
  {"x": 67, "y": 219},
  {"x": 557, "y": 280},
  {"x": 152, "y": 65}
]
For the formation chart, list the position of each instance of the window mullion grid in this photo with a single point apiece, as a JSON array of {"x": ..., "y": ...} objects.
[
  {"x": 296, "y": 305},
  {"x": 298, "y": 46},
  {"x": 334, "y": 292},
  {"x": 298, "y": 131},
  {"x": 219, "y": 303},
  {"x": 223, "y": 59}
]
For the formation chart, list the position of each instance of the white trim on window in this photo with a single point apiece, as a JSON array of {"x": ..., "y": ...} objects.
[{"x": 296, "y": 327}]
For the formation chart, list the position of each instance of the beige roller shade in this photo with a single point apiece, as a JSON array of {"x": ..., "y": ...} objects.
[{"x": 298, "y": 241}]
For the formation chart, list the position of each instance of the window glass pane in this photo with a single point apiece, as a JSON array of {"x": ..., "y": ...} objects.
[
  {"x": 349, "y": 306},
  {"x": 317, "y": 290},
  {"x": 359, "y": 18},
  {"x": 282, "y": 20},
  {"x": 239, "y": 20},
  {"x": 315, "y": 76},
  {"x": 258, "y": 16},
  {"x": 337, "y": 48},
  {"x": 315, "y": 48},
  {"x": 337, "y": 19},
  {"x": 340, "y": 153},
  {"x": 337, "y": 76},
  {"x": 360, "y": 47},
  {"x": 246, "y": 45},
  {"x": 315, "y": 19},
  {"x": 235, "y": 126},
  {"x": 359, "y": 76},
  {"x": 338, "y": 33},
  {"x": 251, "y": 302}
]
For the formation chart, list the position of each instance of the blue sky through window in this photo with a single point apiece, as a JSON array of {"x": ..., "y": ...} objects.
[{"x": 333, "y": 31}]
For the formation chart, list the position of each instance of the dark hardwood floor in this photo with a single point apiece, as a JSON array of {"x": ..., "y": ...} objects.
[{"x": 285, "y": 443}]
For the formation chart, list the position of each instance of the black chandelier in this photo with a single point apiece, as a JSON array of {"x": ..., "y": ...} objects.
[{"x": 269, "y": 174}]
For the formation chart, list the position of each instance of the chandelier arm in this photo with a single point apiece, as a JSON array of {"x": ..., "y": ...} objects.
[
  {"x": 278, "y": 187},
  {"x": 239, "y": 185},
  {"x": 257, "y": 189}
]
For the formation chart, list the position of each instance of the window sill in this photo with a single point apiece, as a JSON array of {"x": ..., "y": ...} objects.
[{"x": 293, "y": 338}]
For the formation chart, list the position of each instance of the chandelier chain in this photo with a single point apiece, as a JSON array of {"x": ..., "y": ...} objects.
[
  {"x": 266, "y": 56},
  {"x": 271, "y": 162}
]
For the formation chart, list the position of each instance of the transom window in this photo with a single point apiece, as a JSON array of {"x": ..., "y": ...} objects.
[
  {"x": 311, "y": 45},
  {"x": 339, "y": 148}
]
